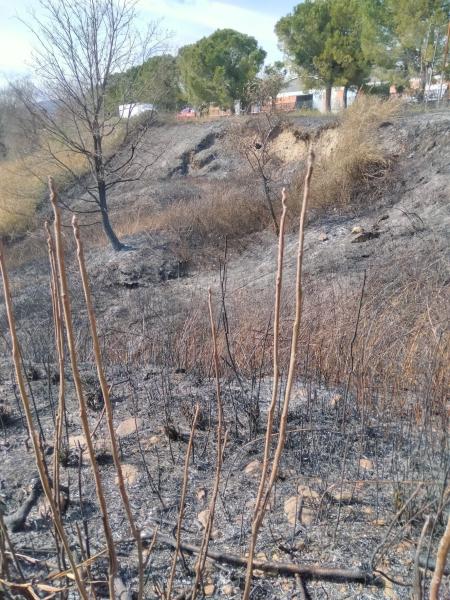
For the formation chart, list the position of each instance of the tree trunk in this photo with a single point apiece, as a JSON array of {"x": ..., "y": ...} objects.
[
  {"x": 107, "y": 227},
  {"x": 345, "y": 103},
  {"x": 101, "y": 186},
  {"x": 328, "y": 98},
  {"x": 270, "y": 206}
]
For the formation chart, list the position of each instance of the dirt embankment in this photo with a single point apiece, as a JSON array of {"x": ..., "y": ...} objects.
[{"x": 405, "y": 213}]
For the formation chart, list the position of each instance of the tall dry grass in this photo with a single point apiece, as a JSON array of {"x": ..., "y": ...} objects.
[
  {"x": 23, "y": 186},
  {"x": 19, "y": 194},
  {"x": 402, "y": 348},
  {"x": 24, "y": 178},
  {"x": 232, "y": 211},
  {"x": 350, "y": 160},
  {"x": 351, "y": 157}
]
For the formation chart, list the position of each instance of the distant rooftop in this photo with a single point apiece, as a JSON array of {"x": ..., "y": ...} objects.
[{"x": 293, "y": 85}]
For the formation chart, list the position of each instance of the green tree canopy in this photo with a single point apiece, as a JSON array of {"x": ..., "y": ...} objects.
[
  {"x": 405, "y": 38},
  {"x": 324, "y": 40},
  {"x": 156, "y": 81},
  {"x": 418, "y": 29},
  {"x": 219, "y": 67}
]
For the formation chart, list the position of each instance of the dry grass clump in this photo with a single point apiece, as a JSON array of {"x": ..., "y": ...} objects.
[
  {"x": 402, "y": 346},
  {"x": 351, "y": 157},
  {"x": 229, "y": 212},
  {"x": 18, "y": 197},
  {"x": 202, "y": 223},
  {"x": 23, "y": 186}
]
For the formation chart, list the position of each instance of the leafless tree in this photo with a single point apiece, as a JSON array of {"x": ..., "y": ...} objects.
[
  {"x": 82, "y": 45},
  {"x": 256, "y": 147},
  {"x": 264, "y": 89}
]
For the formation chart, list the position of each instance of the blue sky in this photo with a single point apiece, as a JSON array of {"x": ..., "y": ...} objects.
[{"x": 189, "y": 20}]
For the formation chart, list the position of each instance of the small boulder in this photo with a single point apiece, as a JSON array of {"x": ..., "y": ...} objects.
[
  {"x": 307, "y": 493},
  {"x": 296, "y": 512},
  {"x": 366, "y": 464},
  {"x": 130, "y": 474},
  {"x": 151, "y": 442},
  {"x": 128, "y": 427},
  {"x": 228, "y": 590},
  {"x": 336, "y": 400},
  {"x": 347, "y": 494},
  {"x": 254, "y": 468}
]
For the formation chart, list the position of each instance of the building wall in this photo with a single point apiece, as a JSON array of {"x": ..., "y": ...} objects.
[
  {"x": 216, "y": 111},
  {"x": 287, "y": 101}
]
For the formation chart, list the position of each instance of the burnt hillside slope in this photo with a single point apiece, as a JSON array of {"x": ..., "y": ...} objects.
[{"x": 367, "y": 451}]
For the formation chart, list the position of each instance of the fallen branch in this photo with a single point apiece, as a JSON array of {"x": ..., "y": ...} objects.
[
  {"x": 16, "y": 520},
  {"x": 316, "y": 572}
]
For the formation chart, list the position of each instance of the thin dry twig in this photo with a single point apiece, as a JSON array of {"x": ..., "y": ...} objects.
[
  {"x": 276, "y": 374},
  {"x": 291, "y": 373},
  {"x": 112, "y": 556},
  {"x": 33, "y": 435},
  {"x": 220, "y": 446},
  {"x": 107, "y": 403},
  {"x": 441, "y": 559},
  {"x": 417, "y": 593},
  {"x": 182, "y": 501},
  {"x": 59, "y": 339}
]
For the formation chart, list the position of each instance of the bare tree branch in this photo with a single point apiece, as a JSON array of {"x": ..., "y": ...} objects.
[{"x": 80, "y": 46}]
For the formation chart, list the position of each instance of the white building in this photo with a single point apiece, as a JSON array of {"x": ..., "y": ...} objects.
[
  {"x": 127, "y": 111},
  {"x": 294, "y": 97}
]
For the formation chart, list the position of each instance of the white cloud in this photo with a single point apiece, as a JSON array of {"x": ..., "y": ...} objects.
[{"x": 192, "y": 19}]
